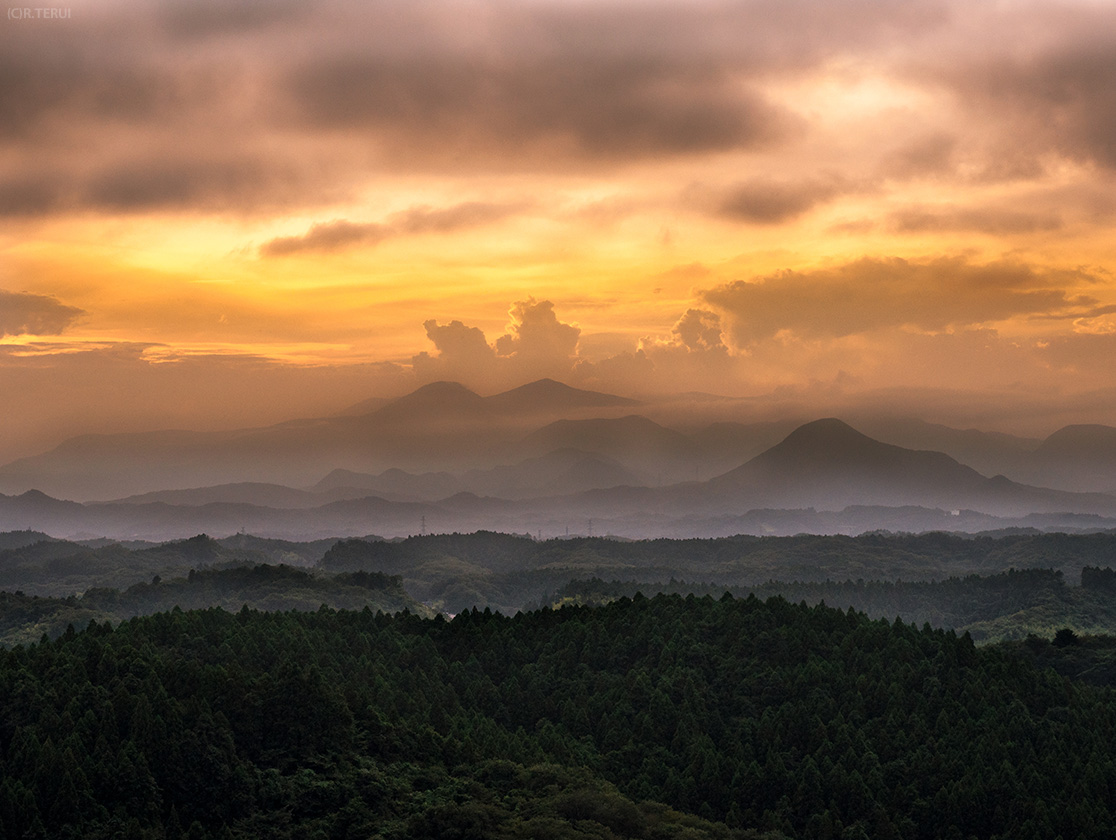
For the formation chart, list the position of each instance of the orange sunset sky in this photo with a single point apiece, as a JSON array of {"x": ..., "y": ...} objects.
[{"x": 231, "y": 213}]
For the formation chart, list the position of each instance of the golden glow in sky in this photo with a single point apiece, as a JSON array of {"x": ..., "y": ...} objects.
[{"x": 220, "y": 213}]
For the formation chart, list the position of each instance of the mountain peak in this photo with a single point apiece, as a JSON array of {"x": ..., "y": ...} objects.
[
  {"x": 827, "y": 435},
  {"x": 544, "y": 384},
  {"x": 829, "y": 444},
  {"x": 442, "y": 388},
  {"x": 35, "y": 496},
  {"x": 436, "y": 401},
  {"x": 827, "y": 464},
  {"x": 551, "y": 395}
]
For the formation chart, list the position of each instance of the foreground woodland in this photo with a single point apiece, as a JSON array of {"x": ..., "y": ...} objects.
[{"x": 664, "y": 717}]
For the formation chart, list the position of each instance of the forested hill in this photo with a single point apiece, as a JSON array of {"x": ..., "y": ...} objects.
[
  {"x": 44, "y": 566},
  {"x": 992, "y": 608},
  {"x": 453, "y": 572},
  {"x": 658, "y": 718},
  {"x": 24, "y": 618}
]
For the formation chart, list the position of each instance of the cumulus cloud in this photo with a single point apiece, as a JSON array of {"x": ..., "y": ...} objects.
[
  {"x": 340, "y": 233},
  {"x": 535, "y": 335},
  {"x": 463, "y": 354},
  {"x": 868, "y": 324},
  {"x": 536, "y": 345},
  {"x": 26, "y": 314},
  {"x": 875, "y": 294},
  {"x": 693, "y": 357},
  {"x": 699, "y": 329}
]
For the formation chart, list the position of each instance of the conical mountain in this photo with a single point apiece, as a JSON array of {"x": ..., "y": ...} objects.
[
  {"x": 827, "y": 464},
  {"x": 831, "y": 445},
  {"x": 438, "y": 401}
]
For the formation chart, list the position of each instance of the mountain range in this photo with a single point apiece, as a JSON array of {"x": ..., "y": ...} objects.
[
  {"x": 440, "y": 426},
  {"x": 623, "y": 474}
]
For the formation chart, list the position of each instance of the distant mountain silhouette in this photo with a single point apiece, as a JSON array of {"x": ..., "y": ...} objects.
[
  {"x": 549, "y": 396},
  {"x": 1081, "y": 441},
  {"x": 544, "y": 396},
  {"x": 828, "y": 464},
  {"x": 409, "y": 457},
  {"x": 245, "y": 492},
  {"x": 1081, "y": 457},
  {"x": 559, "y": 472},
  {"x": 831, "y": 446},
  {"x": 363, "y": 407},
  {"x": 823, "y": 477},
  {"x": 438, "y": 402},
  {"x": 438, "y": 426},
  {"x": 988, "y": 453}
]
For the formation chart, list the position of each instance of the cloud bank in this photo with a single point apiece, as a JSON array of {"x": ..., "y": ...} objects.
[
  {"x": 876, "y": 294},
  {"x": 254, "y": 106},
  {"x": 26, "y": 314}
]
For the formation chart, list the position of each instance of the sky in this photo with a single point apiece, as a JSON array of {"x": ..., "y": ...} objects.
[{"x": 219, "y": 213}]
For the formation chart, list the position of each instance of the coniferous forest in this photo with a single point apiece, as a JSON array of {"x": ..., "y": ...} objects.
[{"x": 647, "y": 718}]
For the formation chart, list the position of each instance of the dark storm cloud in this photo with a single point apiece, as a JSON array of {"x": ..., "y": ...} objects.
[
  {"x": 1055, "y": 100},
  {"x": 340, "y": 234},
  {"x": 25, "y": 194},
  {"x": 596, "y": 107},
  {"x": 160, "y": 183},
  {"x": 324, "y": 93},
  {"x": 877, "y": 294},
  {"x": 766, "y": 201},
  {"x": 27, "y": 314},
  {"x": 156, "y": 183},
  {"x": 53, "y": 81}
]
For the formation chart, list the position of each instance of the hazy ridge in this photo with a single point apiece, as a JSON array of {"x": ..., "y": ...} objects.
[{"x": 548, "y": 459}]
